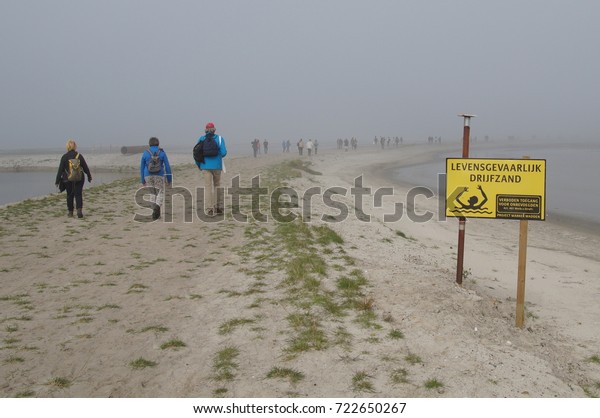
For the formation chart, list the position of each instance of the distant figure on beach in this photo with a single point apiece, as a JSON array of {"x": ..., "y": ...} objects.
[
  {"x": 300, "y": 146},
  {"x": 212, "y": 167},
  {"x": 288, "y": 144},
  {"x": 316, "y": 145},
  {"x": 154, "y": 169},
  {"x": 255, "y": 147},
  {"x": 266, "y": 146},
  {"x": 346, "y": 143},
  {"x": 309, "y": 147},
  {"x": 74, "y": 186}
]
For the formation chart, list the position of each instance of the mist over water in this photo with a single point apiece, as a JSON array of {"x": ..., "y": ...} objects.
[{"x": 21, "y": 185}]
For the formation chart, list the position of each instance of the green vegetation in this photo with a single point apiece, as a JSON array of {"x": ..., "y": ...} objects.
[
  {"x": 224, "y": 363},
  {"x": 396, "y": 334},
  {"x": 229, "y": 326},
  {"x": 413, "y": 359},
  {"x": 399, "y": 376},
  {"x": 174, "y": 343},
  {"x": 293, "y": 376},
  {"x": 433, "y": 384},
  {"x": 142, "y": 363},
  {"x": 361, "y": 382},
  {"x": 594, "y": 359},
  {"x": 60, "y": 382}
]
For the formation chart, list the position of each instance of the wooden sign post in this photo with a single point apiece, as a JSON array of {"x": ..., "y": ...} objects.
[
  {"x": 523, "y": 229},
  {"x": 520, "y": 317}
]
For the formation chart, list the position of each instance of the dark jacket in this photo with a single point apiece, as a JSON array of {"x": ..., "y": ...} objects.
[{"x": 64, "y": 164}]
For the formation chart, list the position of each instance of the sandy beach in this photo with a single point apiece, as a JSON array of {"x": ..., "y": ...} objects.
[{"x": 109, "y": 307}]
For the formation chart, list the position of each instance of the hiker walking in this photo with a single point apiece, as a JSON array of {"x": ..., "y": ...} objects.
[
  {"x": 266, "y": 146},
  {"x": 70, "y": 177},
  {"x": 309, "y": 147},
  {"x": 255, "y": 147},
  {"x": 214, "y": 150},
  {"x": 154, "y": 169},
  {"x": 300, "y": 146}
]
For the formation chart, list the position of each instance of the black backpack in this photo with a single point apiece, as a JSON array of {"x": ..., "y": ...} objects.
[
  {"x": 210, "y": 147},
  {"x": 207, "y": 148}
]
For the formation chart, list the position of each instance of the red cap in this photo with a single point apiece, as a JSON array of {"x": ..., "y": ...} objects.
[{"x": 210, "y": 125}]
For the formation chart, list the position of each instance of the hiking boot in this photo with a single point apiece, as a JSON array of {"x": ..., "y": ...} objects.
[
  {"x": 156, "y": 212},
  {"x": 79, "y": 213},
  {"x": 210, "y": 212},
  {"x": 70, "y": 214},
  {"x": 219, "y": 211}
]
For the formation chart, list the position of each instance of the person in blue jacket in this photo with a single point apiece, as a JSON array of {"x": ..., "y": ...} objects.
[
  {"x": 212, "y": 167},
  {"x": 154, "y": 170}
]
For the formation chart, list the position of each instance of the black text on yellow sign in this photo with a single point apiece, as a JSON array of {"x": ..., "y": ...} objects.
[{"x": 498, "y": 189}]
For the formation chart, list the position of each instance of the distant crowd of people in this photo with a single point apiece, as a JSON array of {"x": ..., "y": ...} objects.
[
  {"x": 256, "y": 146},
  {"x": 383, "y": 141},
  {"x": 310, "y": 145}
]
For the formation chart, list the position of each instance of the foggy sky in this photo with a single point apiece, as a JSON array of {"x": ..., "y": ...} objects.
[{"x": 119, "y": 71}]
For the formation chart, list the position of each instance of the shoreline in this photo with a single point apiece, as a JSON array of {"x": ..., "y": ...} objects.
[{"x": 105, "y": 163}]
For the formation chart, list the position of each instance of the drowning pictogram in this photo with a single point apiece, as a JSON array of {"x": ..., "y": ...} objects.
[{"x": 474, "y": 205}]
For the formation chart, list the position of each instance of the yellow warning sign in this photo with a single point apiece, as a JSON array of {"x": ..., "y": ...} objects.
[{"x": 499, "y": 189}]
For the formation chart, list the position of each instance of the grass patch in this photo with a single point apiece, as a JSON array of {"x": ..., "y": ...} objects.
[
  {"x": 229, "y": 326},
  {"x": 141, "y": 363},
  {"x": 361, "y": 382},
  {"x": 224, "y": 363},
  {"x": 594, "y": 359},
  {"x": 60, "y": 382},
  {"x": 13, "y": 360},
  {"x": 174, "y": 343},
  {"x": 25, "y": 394},
  {"x": 308, "y": 334},
  {"x": 326, "y": 235},
  {"x": 220, "y": 392},
  {"x": 292, "y": 375},
  {"x": 433, "y": 384},
  {"x": 396, "y": 334},
  {"x": 137, "y": 288},
  {"x": 12, "y": 328},
  {"x": 108, "y": 306},
  {"x": 399, "y": 376},
  {"x": 343, "y": 338},
  {"x": 413, "y": 359},
  {"x": 303, "y": 166},
  {"x": 155, "y": 328}
]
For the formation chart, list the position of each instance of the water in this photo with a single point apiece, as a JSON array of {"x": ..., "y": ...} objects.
[
  {"x": 20, "y": 185},
  {"x": 572, "y": 186}
]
